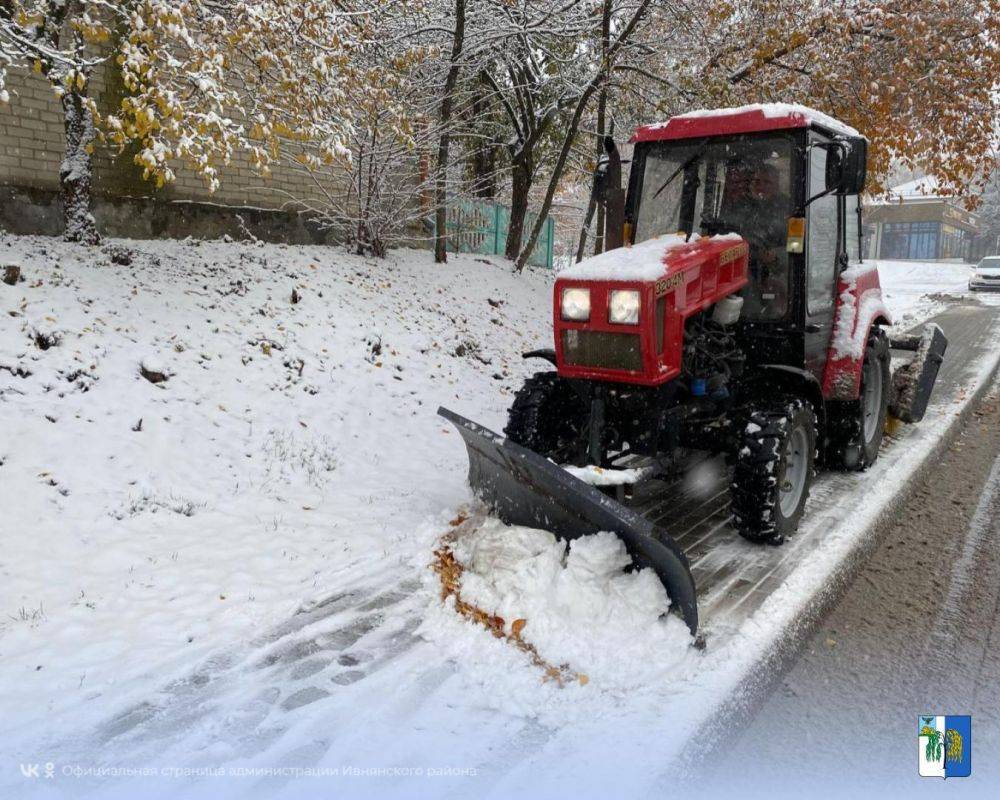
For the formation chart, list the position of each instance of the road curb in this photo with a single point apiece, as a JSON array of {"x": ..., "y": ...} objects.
[{"x": 764, "y": 675}]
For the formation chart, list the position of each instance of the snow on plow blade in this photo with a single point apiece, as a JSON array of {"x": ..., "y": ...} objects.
[
  {"x": 523, "y": 488},
  {"x": 913, "y": 382}
]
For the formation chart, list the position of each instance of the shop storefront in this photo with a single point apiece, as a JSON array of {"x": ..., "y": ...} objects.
[{"x": 920, "y": 228}]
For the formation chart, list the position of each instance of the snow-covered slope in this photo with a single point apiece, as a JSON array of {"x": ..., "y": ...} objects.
[{"x": 291, "y": 446}]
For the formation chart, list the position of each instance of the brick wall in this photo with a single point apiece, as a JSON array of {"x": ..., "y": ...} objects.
[
  {"x": 31, "y": 134},
  {"x": 31, "y": 149}
]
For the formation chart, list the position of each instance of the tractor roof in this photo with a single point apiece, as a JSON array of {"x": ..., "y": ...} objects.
[{"x": 744, "y": 119}]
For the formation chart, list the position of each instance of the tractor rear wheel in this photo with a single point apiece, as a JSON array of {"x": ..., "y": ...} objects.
[
  {"x": 548, "y": 417},
  {"x": 855, "y": 427},
  {"x": 773, "y": 471}
]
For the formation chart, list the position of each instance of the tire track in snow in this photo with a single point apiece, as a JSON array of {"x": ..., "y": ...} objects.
[{"x": 241, "y": 703}]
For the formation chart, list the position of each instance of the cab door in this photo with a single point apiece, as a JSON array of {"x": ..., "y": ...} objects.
[{"x": 824, "y": 256}]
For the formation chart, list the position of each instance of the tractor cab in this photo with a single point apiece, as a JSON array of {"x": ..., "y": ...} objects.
[{"x": 787, "y": 180}]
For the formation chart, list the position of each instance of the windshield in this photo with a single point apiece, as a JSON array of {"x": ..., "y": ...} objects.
[
  {"x": 715, "y": 186},
  {"x": 991, "y": 264}
]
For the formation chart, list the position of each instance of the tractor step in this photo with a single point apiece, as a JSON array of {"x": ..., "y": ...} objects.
[{"x": 523, "y": 488}]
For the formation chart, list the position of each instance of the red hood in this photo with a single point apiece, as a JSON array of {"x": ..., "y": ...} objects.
[
  {"x": 650, "y": 260},
  {"x": 675, "y": 279}
]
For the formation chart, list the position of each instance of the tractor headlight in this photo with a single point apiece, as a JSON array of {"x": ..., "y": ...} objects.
[
  {"x": 623, "y": 308},
  {"x": 576, "y": 304}
]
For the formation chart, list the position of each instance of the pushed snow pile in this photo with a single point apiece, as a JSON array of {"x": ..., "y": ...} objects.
[
  {"x": 580, "y": 607},
  {"x": 598, "y": 476}
]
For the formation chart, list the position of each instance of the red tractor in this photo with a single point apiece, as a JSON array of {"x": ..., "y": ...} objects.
[{"x": 737, "y": 318}]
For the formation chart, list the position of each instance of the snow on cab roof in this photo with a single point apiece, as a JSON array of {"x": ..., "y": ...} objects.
[{"x": 741, "y": 119}]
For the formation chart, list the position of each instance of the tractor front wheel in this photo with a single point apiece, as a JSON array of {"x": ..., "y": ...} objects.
[
  {"x": 773, "y": 471},
  {"x": 548, "y": 417},
  {"x": 855, "y": 427}
]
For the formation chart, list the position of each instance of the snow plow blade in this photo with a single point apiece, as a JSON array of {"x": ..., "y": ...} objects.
[
  {"x": 912, "y": 383},
  {"x": 523, "y": 488}
]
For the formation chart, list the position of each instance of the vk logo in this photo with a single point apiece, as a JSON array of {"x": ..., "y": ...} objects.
[{"x": 33, "y": 770}]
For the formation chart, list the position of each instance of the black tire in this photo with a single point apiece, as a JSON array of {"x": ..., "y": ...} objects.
[
  {"x": 548, "y": 417},
  {"x": 775, "y": 440},
  {"x": 851, "y": 444}
]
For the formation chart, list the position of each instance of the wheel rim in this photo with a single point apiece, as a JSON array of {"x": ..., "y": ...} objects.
[
  {"x": 796, "y": 470},
  {"x": 872, "y": 405}
]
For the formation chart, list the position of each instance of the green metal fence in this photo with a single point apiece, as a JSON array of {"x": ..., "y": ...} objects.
[{"x": 476, "y": 226}]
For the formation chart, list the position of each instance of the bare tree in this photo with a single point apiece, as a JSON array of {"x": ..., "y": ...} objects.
[
  {"x": 598, "y": 77},
  {"x": 444, "y": 142},
  {"x": 532, "y": 69}
]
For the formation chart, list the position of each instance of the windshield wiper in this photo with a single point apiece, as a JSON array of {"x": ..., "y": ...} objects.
[{"x": 694, "y": 157}]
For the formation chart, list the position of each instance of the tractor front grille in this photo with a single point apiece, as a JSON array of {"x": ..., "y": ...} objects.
[{"x": 602, "y": 350}]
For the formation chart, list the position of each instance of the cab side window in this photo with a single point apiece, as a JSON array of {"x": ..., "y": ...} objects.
[
  {"x": 851, "y": 229},
  {"x": 821, "y": 237}
]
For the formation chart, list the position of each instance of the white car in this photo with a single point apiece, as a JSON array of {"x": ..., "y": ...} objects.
[{"x": 986, "y": 275}]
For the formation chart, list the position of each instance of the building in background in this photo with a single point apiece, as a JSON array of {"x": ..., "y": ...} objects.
[{"x": 915, "y": 222}]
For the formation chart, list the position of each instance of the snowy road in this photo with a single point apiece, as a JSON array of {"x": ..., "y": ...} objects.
[{"x": 918, "y": 631}]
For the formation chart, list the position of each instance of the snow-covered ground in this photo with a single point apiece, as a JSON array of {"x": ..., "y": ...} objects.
[
  {"x": 157, "y": 535},
  {"x": 146, "y": 525},
  {"x": 914, "y": 290}
]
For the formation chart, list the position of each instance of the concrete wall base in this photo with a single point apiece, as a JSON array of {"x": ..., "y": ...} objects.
[{"x": 25, "y": 210}]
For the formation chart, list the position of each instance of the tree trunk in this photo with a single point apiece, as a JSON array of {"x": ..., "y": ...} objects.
[
  {"x": 602, "y": 106},
  {"x": 557, "y": 170},
  {"x": 76, "y": 170},
  {"x": 587, "y": 219},
  {"x": 602, "y": 100},
  {"x": 520, "y": 186},
  {"x": 447, "y": 100},
  {"x": 484, "y": 172},
  {"x": 483, "y": 159}
]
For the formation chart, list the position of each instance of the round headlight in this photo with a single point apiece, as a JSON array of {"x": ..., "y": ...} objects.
[
  {"x": 576, "y": 304},
  {"x": 623, "y": 308}
]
